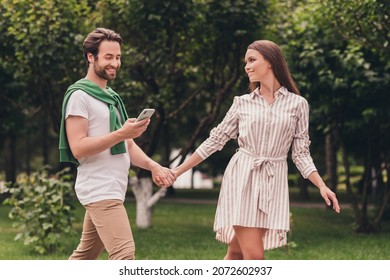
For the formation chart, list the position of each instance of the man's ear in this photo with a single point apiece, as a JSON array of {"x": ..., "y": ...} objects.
[{"x": 90, "y": 57}]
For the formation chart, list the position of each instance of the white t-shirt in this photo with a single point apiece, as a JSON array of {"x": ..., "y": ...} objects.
[{"x": 101, "y": 176}]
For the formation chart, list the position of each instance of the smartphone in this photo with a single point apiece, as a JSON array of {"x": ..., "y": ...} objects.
[{"x": 146, "y": 113}]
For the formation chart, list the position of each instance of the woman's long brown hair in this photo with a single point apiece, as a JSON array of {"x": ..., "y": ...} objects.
[{"x": 273, "y": 54}]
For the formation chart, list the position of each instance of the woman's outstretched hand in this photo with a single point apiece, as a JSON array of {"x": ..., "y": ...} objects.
[{"x": 330, "y": 198}]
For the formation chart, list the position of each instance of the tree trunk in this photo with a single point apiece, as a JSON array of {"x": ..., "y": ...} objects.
[
  {"x": 385, "y": 201},
  {"x": 330, "y": 162},
  {"x": 10, "y": 158},
  {"x": 145, "y": 200},
  {"x": 367, "y": 183},
  {"x": 303, "y": 188},
  {"x": 354, "y": 201},
  {"x": 28, "y": 155},
  {"x": 45, "y": 137}
]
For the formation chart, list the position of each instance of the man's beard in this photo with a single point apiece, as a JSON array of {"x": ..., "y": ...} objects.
[{"x": 101, "y": 73}]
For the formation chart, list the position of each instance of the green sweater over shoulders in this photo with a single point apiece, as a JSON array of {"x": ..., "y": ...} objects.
[{"x": 111, "y": 98}]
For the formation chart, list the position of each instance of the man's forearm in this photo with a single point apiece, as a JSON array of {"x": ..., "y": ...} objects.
[{"x": 138, "y": 157}]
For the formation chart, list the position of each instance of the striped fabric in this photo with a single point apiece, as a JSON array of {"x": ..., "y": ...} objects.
[{"x": 254, "y": 191}]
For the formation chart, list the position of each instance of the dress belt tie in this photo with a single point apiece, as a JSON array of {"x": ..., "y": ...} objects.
[{"x": 269, "y": 165}]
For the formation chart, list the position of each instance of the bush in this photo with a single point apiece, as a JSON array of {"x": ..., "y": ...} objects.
[{"x": 42, "y": 207}]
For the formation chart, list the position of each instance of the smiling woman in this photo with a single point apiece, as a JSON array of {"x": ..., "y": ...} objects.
[
  {"x": 270, "y": 54},
  {"x": 253, "y": 208},
  {"x": 256, "y": 66}
]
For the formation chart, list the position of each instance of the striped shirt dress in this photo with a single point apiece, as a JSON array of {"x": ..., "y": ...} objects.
[{"x": 254, "y": 189}]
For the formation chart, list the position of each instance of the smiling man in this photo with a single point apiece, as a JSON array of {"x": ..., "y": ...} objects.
[{"x": 97, "y": 135}]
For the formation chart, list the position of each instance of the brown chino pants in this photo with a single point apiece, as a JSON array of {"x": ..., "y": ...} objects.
[{"x": 106, "y": 226}]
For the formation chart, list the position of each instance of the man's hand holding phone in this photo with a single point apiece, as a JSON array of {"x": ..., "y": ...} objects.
[{"x": 134, "y": 127}]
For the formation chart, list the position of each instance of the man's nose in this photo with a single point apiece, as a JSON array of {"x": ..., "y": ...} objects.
[{"x": 115, "y": 63}]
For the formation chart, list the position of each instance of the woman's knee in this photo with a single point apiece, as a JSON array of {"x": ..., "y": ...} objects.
[
  {"x": 234, "y": 251},
  {"x": 254, "y": 255},
  {"x": 235, "y": 255}
]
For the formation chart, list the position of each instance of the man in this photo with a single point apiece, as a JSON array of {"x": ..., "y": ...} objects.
[{"x": 97, "y": 135}]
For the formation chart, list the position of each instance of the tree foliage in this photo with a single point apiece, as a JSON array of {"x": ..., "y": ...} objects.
[
  {"x": 184, "y": 58},
  {"x": 40, "y": 56}
]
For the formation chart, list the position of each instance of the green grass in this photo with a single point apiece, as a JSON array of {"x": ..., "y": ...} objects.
[
  {"x": 184, "y": 232},
  {"x": 323, "y": 235}
]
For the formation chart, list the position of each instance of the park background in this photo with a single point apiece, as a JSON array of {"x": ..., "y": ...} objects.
[{"x": 185, "y": 59}]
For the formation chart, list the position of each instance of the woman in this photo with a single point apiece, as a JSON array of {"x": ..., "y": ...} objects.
[{"x": 253, "y": 208}]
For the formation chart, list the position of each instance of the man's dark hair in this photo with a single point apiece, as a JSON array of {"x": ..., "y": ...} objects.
[{"x": 92, "y": 42}]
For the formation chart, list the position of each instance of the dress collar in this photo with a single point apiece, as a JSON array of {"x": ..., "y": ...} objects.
[{"x": 281, "y": 90}]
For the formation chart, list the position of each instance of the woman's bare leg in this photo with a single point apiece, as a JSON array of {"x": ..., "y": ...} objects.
[
  {"x": 250, "y": 242},
  {"x": 234, "y": 251}
]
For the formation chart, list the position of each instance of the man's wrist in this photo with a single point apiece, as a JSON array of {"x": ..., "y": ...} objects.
[{"x": 152, "y": 165}]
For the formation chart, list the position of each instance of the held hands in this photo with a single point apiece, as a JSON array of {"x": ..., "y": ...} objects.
[
  {"x": 330, "y": 198},
  {"x": 167, "y": 179},
  {"x": 171, "y": 175},
  {"x": 162, "y": 176}
]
